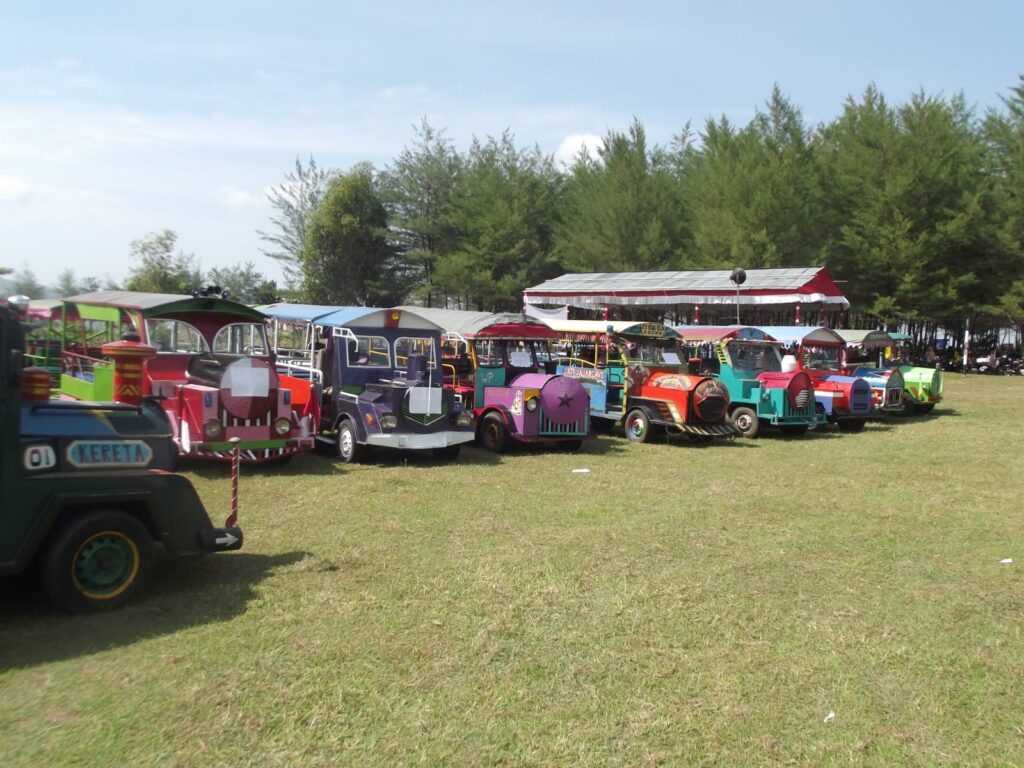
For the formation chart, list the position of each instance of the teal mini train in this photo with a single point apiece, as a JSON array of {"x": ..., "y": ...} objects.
[{"x": 750, "y": 365}]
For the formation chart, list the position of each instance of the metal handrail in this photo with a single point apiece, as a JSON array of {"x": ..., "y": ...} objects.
[{"x": 305, "y": 367}]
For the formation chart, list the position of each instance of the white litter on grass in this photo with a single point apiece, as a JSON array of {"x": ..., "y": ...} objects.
[
  {"x": 1007, "y": 561},
  {"x": 583, "y": 471},
  {"x": 830, "y": 717}
]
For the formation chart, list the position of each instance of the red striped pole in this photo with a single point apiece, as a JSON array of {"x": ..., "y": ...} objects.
[{"x": 236, "y": 461}]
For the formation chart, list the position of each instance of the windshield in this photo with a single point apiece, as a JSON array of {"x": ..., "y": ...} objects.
[
  {"x": 646, "y": 352},
  {"x": 175, "y": 337},
  {"x": 368, "y": 352},
  {"x": 518, "y": 354},
  {"x": 750, "y": 357},
  {"x": 822, "y": 357},
  {"x": 528, "y": 354},
  {"x": 414, "y": 345},
  {"x": 864, "y": 357},
  {"x": 249, "y": 339}
]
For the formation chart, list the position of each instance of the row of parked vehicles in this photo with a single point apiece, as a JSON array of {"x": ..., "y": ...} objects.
[
  {"x": 106, "y": 391},
  {"x": 284, "y": 377}
]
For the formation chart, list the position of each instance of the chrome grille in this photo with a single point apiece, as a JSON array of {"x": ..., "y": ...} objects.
[
  {"x": 548, "y": 427},
  {"x": 712, "y": 408},
  {"x": 231, "y": 421},
  {"x": 860, "y": 397},
  {"x": 802, "y": 398}
]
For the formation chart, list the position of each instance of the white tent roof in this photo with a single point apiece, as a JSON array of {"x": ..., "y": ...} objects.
[{"x": 766, "y": 287}]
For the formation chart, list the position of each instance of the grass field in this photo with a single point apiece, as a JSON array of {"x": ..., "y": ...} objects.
[{"x": 677, "y": 605}]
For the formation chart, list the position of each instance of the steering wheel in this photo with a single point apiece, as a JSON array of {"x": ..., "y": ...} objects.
[
  {"x": 205, "y": 369},
  {"x": 639, "y": 375}
]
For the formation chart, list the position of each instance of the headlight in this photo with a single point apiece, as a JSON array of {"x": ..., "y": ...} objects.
[
  {"x": 282, "y": 426},
  {"x": 464, "y": 419},
  {"x": 388, "y": 422},
  {"x": 212, "y": 429},
  {"x": 532, "y": 403}
]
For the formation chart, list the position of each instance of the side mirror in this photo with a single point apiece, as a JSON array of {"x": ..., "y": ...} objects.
[
  {"x": 14, "y": 368},
  {"x": 19, "y": 303}
]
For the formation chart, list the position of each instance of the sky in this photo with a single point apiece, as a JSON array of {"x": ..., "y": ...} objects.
[{"x": 120, "y": 119}]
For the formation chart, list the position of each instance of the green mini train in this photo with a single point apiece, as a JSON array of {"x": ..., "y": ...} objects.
[
  {"x": 922, "y": 386},
  {"x": 87, "y": 489}
]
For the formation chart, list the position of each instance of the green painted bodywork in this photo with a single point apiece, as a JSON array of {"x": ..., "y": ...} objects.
[
  {"x": 100, "y": 389},
  {"x": 487, "y": 377},
  {"x": 771, "y": 405},
  {"x": 923, "y": 384}
]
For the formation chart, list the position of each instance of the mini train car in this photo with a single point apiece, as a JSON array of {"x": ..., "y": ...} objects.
[
  {"x": 633, "y": 375},
  {"x": 921, "y": 386},
  {"x": 501, "y": 366},
  {"x": 749, "y": 364},
  {"x": 845, "y": 400},
  {"x": 87, "y": 492},
  {"x": 213, "y": 372},
  {"x": 379, "y": 374}
]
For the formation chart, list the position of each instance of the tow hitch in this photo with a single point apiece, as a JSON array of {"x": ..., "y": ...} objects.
[{"x": 230, "y": 536}]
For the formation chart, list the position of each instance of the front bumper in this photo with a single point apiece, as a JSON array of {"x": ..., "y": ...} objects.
[
  {"x": 251, "y": 451},
  {"x": 221, "y": 539},
  {"x": 794, "y": 419},
  {"x": 412, "y": 441},
  {"x": 724, "y": 429}
]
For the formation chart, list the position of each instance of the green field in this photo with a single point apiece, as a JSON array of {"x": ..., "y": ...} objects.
[{"x": 677, "y": 605}]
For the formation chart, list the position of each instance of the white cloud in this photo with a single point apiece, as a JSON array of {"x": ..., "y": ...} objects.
[
  {"x": 573, "y": 144},
  {"x": 14, "y": 190},
  {"x": 234, "y": 196}
]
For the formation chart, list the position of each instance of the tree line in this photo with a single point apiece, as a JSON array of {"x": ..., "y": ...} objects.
[
  {"x": 917, "y": 208},
  {"x": 158, "y": 266}
]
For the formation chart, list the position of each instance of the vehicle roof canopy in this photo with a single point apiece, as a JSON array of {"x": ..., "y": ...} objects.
[
  {"x": 301, "y": 313},
  {"x": 721, "y": 332},
  {"x": 594, "y": 328},
  {"x": 158, "y": 304},
  {"x": 350, "y": 317},
  {"x": 865, "y": 338},
  {"x": 484, "y": 324},
  {"x": 802, "y": 334},
  {"x": 44, "y": 309}
]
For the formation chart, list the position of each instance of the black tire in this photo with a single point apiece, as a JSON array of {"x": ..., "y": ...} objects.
[
  {"x": 746, "y": 421},
  {"x": 909, "y": 406},
  {"x": 349, "y": 449},
  {"x": 794, "y": 430},
  {"x": 924, "y": 408},
  {"x": 571, "y": 446},
  {"x": 448, "y": 453},
  {"x": 97, "y": 561},
  {"x": 851, "y": 425},
  {"x": 637, "y": 426},
  {"x": 819, "y": 412},
  {"x": 492, "y": 433}
]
